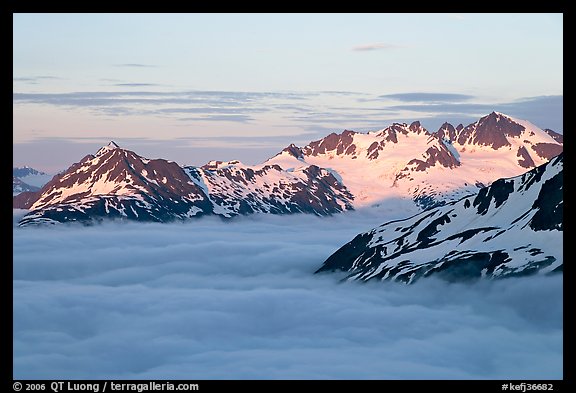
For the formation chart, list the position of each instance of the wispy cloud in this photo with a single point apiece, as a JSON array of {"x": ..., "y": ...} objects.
[
  {"x": 300, "y": 108},
  {"x": 135, "y": 84},
  {"x": 428, "y": 97},
  {"x": 154, "y": 100},
  {"x": 233, "y": 118},
  {"x": 34, "y": 79},
  {"x": 374, "y": 46},
  {"x": 224, "y": 106},
  {"x": 218, "y": 110},
  {"x": 136, "y": 65}
]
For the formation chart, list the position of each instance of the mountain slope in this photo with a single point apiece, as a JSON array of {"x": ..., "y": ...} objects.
[
  {"x": 513, "y": 227},
  {"x": 118, "y": 183},
  {"x": 238, "y": 189}
]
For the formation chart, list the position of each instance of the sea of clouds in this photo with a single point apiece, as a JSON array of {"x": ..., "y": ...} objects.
[{"x": 209, "y": 299}]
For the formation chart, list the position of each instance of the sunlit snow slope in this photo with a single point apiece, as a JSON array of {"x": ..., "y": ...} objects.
[
  {"x": 407, "y": 161},
  {"x": 513, "y": 227}
]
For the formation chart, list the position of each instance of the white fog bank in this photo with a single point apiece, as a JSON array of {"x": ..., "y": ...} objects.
[{"x": 238, "y": 300}]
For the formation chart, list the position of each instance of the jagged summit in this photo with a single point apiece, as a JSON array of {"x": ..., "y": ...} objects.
[
  {"x": 25, "y": 171},
  {"x": 104, "y": 149},
  {"x": 293, "y": 150},
  {"x": 406, "y": 159},
  {"x": 491, "y": 130}
]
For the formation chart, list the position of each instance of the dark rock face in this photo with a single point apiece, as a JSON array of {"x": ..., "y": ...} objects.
[
  {"x": 525, "y": 161},
  {"x": 469, "y": 267},
  {"x": 344, "y": 258},
  {"x": 416, "y": 127},
  {"x": 556, "y": 136},
  {"x": 494, "y": 234},
  {"x": 390, "y": 133},
  {"x": 374, "y": 150},
  {"x": 294, "y": 151},
  {"x": 436, "y": 154},
  {"x": 547, "y": 150},
  {"x": 465, "y": 133},
  {"x": 549, "y": 205},
  {"x": 498, "y": 193},
  {"x": 447, "y": 131},
  {"x": 340, "y": 143},
  {"x": 491, "y": 130}
]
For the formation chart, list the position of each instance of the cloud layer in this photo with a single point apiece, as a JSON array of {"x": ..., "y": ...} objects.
[
  {"x": 299, "y": 108},
  {"x": 234, "y": 300},
  {"x": 429, "y": 97},
  {"x": 375, "y": 46}
]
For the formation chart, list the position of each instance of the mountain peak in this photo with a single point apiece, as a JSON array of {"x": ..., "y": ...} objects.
[
  {"x": 416, "y": 127},
  {"x": 498, "y": 116},
  {"x": 337, "y": 143},
  {"x": 293, "y": 150},
  {"x": 447, "y": 131},
  {"x": 491, "y": 130},
  {"x": 26, "y": 171},
  {"x": 105, "y": 149}
]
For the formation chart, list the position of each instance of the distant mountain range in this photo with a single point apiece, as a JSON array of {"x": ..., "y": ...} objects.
[
  {"x": 27, "y": 179},
  {"x": 512, "y": 228},
  {"x": 337, "y": 173}
]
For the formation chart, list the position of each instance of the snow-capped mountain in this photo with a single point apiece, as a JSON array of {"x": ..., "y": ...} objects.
[
  {"x": 118, "y": 183},
  {"x": 239, "y": 189},
  {"x": 28, "y": 179},
  {"x": 404, "y": 160},
  {"x": 18, "y": 186},
  {"x": 28, "y": 173},
  {"x": 513, "y": 227},
  {"x": 337, "y": 173}
]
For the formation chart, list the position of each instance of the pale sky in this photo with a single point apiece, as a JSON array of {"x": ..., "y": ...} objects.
[{"x": 195, "y": 87}]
